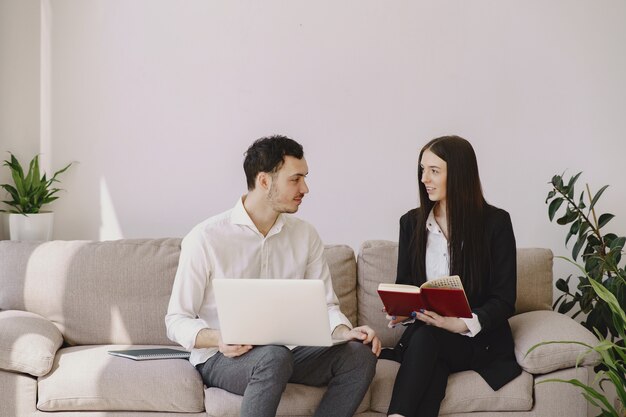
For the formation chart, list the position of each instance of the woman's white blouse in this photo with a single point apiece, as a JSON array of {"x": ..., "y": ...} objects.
[{"x": 438, "y": 264}]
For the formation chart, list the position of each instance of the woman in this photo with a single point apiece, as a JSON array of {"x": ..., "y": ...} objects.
[{"x": 454, "y": 232}]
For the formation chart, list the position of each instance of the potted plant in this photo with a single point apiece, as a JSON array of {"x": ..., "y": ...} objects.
[
  {"x": 601, "y": 254},
  {"x": 612, "y": 369},
  {"x": 601, "y": 290},
  {"x": 27, "y": 195}
]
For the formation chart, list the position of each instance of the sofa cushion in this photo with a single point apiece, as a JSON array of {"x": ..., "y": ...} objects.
[
  {"x": 28, "y": 342},
  {"x": 297, "y": 400},
  {"x": 534, "y": 280},
  {"x": 342, "y": 264},
  {"x": 87, "y": 378},
  {"x": 535, "y": 327},
  {"x": 466, "y": 392},
  {"x": 376, "y": 263},
  {"x": 131, "y": 280}
]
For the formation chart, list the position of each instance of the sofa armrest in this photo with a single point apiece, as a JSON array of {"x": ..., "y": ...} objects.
[
  {"x": 28, "y": 342},
  {"x": 535, "y": 327}
]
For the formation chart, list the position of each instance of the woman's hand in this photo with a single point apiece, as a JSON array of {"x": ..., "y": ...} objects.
[
  {"x": 451, "y": 324},
  {"x": 395, "y": 320}
]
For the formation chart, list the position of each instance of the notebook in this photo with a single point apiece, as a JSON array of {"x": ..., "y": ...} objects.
[
  {"x": 273, "y": 312},
  {"x": 149, "y": 354}
]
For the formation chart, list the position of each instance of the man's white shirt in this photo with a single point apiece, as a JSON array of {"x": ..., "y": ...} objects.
[{"x": 230, "y": 246}]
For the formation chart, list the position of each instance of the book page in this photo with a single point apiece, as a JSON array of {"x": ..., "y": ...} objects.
[
  {"x": 398, "y": 288},
  {"x": 444, "y": 282}
]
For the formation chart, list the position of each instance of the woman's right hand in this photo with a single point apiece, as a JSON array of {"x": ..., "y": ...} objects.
[{"x": 394, "y": 320}]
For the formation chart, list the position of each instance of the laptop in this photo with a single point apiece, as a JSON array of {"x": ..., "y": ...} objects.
[{"x": 273, "y": 312}]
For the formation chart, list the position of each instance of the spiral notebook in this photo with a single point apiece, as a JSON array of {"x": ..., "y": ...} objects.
[{"x": 149, "y": 354}]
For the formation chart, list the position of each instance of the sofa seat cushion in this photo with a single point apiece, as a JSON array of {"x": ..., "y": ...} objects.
[
  {"x": 466, "y": 392},
  {"x": 297, "y": 400},
  {"x": 28, "y": 342},
  {"x": 535, "y": 327},
  {"x": 85, "y": 378}
]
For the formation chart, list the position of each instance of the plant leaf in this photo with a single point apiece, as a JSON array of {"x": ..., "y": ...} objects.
[
  {"x": 573, "y": 230},
  {"x": 568, "y": 217},
  {"x": 578, "y": 246},
  {"x": 604, "y": 219},
  {"x": 573, "y": 180},
  {"x": 591, "y": 392},
  {"x": 597, "y": 196},
  {"x": 562, "y": 285},
  {"x": 566, "y": 306},
  {"x": 554, "y": 206},
  {"x": 617, "y": 243}
]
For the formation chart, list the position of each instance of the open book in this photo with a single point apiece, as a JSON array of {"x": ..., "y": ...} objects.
[{"x": 445, "y": 296}]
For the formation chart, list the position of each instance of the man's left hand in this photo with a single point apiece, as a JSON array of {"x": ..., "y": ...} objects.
[{"x": 363, "y": 333}]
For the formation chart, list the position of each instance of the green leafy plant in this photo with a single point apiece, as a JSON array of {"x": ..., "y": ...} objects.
[
  {"x": 601, "y": 254},
  {"x": 612, "y": 355},
  {"x": 32, "y": 191}
]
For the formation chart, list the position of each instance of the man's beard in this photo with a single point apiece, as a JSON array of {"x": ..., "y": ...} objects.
[{"x": 275, "y": 204}]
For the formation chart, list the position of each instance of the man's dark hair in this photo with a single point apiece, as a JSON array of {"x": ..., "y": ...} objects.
[{"x": 267, "y": 154}]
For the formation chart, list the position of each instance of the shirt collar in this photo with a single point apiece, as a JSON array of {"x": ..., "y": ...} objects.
[
  {"x": 431, "y": 224},
  {"x": 240, "y": 216}
]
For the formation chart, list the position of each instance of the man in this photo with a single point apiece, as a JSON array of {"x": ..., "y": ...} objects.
[{"x": 256, "y": 239}]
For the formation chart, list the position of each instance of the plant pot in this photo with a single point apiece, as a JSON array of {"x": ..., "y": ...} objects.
[{"x": 31, "y": 227}]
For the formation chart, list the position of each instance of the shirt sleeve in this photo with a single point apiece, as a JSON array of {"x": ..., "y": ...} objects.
[
  {"x": 473, "y": 326},
  {"x": 317, "y": 268},
  {"x": 182, "y": 322}
]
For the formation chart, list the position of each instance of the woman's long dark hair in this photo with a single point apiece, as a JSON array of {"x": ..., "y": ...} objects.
[{"x": 465, "y": 211}]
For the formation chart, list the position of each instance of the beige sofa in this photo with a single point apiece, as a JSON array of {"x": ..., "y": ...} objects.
[{"x": 63, "y": 304}]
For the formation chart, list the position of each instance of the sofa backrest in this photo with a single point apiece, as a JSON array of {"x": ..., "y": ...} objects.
[
  {"x": 116, "y": 292},
  {"x": 377, "y": 260},
  {"x": 95, "y": 292},
  {"x": 342, "y": 264}
]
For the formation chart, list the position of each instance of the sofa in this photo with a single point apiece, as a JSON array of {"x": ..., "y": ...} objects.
[{"x": 64, "y": 304}]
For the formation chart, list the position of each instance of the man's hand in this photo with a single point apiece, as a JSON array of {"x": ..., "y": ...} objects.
[
  {"x": 208, "y": 338},
  {"x": 451, "y": 324},
  {"x": 363, "y": 333},
  {"x": 232, "y": 351}
]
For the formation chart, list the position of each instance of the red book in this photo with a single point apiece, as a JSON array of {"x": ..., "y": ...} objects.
[{"x": 445, "y": 296}]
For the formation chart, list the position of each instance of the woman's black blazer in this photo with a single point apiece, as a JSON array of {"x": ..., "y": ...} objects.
[{"x": 494, "y": 357}]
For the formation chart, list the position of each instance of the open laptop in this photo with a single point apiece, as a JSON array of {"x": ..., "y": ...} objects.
[{"x": 273, "y": 312}]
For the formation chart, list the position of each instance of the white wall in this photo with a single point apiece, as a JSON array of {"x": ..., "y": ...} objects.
[
  {"x": 19, "y": 83},
  {"x": 157, "y": 100}
]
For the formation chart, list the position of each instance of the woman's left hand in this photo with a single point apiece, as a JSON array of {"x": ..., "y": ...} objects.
[{"x": 451, "y": 324}]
